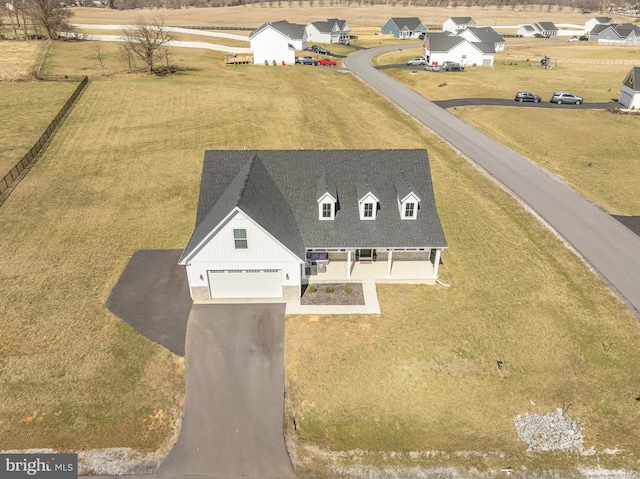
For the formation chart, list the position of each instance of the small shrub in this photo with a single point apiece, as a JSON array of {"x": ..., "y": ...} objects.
[
  {"x": 312, "y": 289},
  {"x": 347, "y": 289},
  {"x": 329, "y": 289}
]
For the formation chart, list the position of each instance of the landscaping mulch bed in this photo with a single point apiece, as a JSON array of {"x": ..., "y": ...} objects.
[{"x": 323, "y": 294}]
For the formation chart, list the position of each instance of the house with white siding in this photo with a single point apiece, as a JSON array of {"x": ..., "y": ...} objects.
[
  {"x": 483, "y": 34},
  {"x": 630, "y": 92},
  {"x": 271, "y": 221},
  {"x": 332, "y": 30},
  {"x": 589, "y": 24},
  {"x": 441, "y": 47},
  {"x": 277, "y": 42},
  {"x": 457, "y": 24}
]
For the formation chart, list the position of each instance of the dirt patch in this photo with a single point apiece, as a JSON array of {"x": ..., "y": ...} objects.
[{"x": 335, "y": 293}]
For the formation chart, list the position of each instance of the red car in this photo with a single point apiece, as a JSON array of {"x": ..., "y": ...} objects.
[{"x": 327, "y": 62}]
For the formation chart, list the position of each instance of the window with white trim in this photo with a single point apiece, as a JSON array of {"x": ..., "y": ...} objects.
[
  {"x": 409, "y": 210},
  {"x": 240, "y": 238},
  {"x": 327, "y": 210},
  {"x": 368, "y": 210}
]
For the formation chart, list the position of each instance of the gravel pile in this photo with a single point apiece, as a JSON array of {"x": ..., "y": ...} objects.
[{"x": 550, "y": 432}]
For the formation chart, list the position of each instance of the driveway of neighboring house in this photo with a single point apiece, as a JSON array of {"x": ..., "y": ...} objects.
[{"x": 234, "y": 404}]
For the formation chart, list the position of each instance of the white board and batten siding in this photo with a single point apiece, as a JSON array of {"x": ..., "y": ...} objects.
[
  {"x": 264, "y": 259},
  {"x": 272, "y": 45},
  {"x": 465, "y": 54}
]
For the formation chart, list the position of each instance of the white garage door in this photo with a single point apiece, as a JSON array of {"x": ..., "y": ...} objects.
[{"x": 248, "y": 283}]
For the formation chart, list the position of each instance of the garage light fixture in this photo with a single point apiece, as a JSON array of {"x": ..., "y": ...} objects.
[
  {"x": 287, "y": 275},
  {"x": 201, "y": 278}
]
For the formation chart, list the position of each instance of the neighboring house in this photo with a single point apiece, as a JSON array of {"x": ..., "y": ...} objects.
[
  {"x": 269, "y": 222},
  {"x": 546, "y": 29},
  {"x": 441, "y": 47},
  {"x": 410, "y": 27},
  {"x": 595, "y": 32},
  {"x": 630, "y": 93},
  {"x": 622, "y": 34},
  {"x": 456, "y": 24},
  {"x": 331, "y": 30},
  {"x": 526, "y": 30},
  {"x": 483, "y": 34},
  {"x": 589, "y": 24},
  {"x": 277, "y": 42}
]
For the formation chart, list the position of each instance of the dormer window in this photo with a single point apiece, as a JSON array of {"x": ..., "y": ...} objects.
[
  {"x": 368, "y": 210},
  {"x": 327, "y": 211},
  {"x": 408, "y": 200},
  {"x": 327, "y": 198},
  {"x": 409, "y": 210}
]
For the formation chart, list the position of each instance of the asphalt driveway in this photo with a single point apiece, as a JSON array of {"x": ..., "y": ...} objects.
[{"x": 234, "y": 406}]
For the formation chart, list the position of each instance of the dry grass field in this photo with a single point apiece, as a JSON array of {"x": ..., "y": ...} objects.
[
  {"x": 554, "y": 138},
  {"x": 18, "y": 60},
  {"x": 122, "y": 174},
  {"x": 255, "y": 15}
]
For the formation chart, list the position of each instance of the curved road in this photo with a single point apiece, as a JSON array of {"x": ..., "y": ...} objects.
[{"x": 611, "y": 248}]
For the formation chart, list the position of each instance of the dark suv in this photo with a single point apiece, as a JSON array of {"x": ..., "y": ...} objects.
[
  {"x": 452, "y": 67},
  {"x": 319, "y": 49},
  {"x": 527, "y": 96}
]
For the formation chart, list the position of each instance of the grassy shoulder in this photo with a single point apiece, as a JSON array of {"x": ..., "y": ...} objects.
[{"x": 421, "y": 379}]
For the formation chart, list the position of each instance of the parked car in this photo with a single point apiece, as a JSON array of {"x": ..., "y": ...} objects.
[
  {"x": 344, "y": 41},
  {"x": 453, "y": 67},
  {"x": 417, "y": 61},
  {"x": 320, "y": 50},
  {"x": 527, "y": 96},
  {"x": 328, "y": 62},
  {"x": 573, "y": 39},
  {"x": 306, "y": 60},
  {"x": 432, "y": 68},
  {"x": 560, "y": 97},
  {"x": 584, "y": 38}
]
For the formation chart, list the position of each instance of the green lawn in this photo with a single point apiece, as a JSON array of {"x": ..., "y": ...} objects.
[{"x": 123, "y": 174}]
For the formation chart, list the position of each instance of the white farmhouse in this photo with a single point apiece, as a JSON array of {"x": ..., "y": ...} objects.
[
  {"x": 441, "y": 47},
  {"x": 332, "y": 30},
  {"x": 456, "y": 24},
  {"x": 269, "y": 222},
  {"x": 277, "y": 42},
  {"x": 589, "y": 24},
  {"x": 630, "y": 92},
  {"x": 483, "y": 34}
]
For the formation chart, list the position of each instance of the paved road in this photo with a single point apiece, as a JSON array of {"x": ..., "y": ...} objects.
[
  {"x": 234, "y": 404},
  {"x": 525, "y": 104},
  {"x": 607, "y": 245}
]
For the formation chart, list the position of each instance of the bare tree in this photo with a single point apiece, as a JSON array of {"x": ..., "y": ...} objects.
[
  {"x": 10, "y": 9},
  {"x": 126, "y": 56},
  {"x": 145, "y": 40},
  {"x": 51, "y": 15},
  {"x": 98, "y": 53}
]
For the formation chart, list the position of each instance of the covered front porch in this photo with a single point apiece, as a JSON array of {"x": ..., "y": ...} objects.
[{"x": 390, "y": 266}]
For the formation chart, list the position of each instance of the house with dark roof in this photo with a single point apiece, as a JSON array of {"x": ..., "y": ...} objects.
[
  {"x": 410, "y": 27},
  {"x": 526, "y": 30},
  {"x": 441, "y": 47},
  {"x": 589, "y": 24},
  {"x": 622, "y": 34},
  {"x": 483, "y": 35},
  {"x": 546, "y": 29},
  {"x": 630, "y": 92},
  {"x": 456, "y": 24},
  {"x": 270, "y": 221},
  {"x": 332, "y": 30},
  {"x": 277, "y": 42}
]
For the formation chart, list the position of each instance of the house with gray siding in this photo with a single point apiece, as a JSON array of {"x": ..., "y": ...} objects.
[
  {"x": 410, "y": 27},
  {"x": 271, "y": 221}
]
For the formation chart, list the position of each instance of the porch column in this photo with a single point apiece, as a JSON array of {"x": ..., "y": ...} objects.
[
  {"x": 348, "y": 264},
  {"x": 436, "y": 263},
  {"x": 389, "y": 255}
]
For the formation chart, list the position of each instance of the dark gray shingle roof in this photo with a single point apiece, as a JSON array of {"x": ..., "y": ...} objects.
[
  {"x": 324, "y": 27},
  {"x": 461, "y": 20},
  {"x": 412, "y": 23},
  {"x": 635, "y": 78},
  {"x": 547, "y": 26},
  {"x": 443, "y": 42},
  {"x": 486, "y": 34},
  {"x": 325, "y": 184},
  {"x": 277, "y": 189},
  {"x": 598, "y": 28}
]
